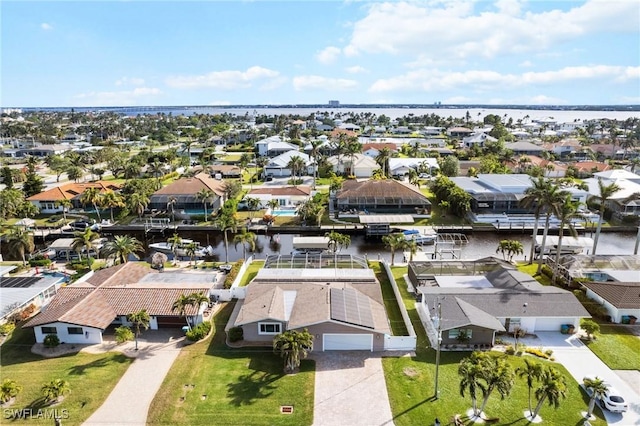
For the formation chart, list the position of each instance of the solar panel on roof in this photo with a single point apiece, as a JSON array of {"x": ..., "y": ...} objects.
[
  {"x": 350, "y": 306},
  {"x": 18, "y": 282}
]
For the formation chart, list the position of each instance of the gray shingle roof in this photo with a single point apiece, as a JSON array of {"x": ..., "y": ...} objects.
[{"x": 619, "y": 294}]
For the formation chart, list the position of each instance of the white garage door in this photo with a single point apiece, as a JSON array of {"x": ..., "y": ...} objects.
[
  {"x": 551, "y": 324},
  {"x": 347, "y": 342}
]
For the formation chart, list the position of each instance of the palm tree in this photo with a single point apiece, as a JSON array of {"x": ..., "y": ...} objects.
[
  {"x": 181, "y": 304},
  {"x": 315, "y": 154},
  {"x": 411, "y": 246},
  {"x": 247, "y": 239},
  {"x": 20, "y": 242},
  {"x": 498, "y": 375},
  {"x": 532, "y": 371},
  {"x": 598, "y": 389},
  {"x": 470, "y": 372},
  {"x": 510, "y": 248},
  {"x": 553, "y": 387},
  {"x": 273, "y": 204},
  {"x": 553, "y": 197},
  {"x": 296, "y": 164},
  {"x": 9, "y": 389},
  {"x": 122, "y": 247},
  {"x": 175, "y": 242},
  {"x": 205, "y": 195},
  {"x": 337, "y": 240},
  {"x": 226, "y": 221},
  {"x": 92, "y": 196},
  {"x": 393, "y": 242},
  {"x": 84, "y": 241},
  {"x": 534, "y": 198},
  {"x": 65, "y": 203},
  {"x": 138, "y": 202},
  {"x": 191, "y": 249},
  {"x": 252, "y": 204},
  {"x": 171, "y": 205},
  {"x": 383, "y": 160},
  {"x": 567, "y": 212},
  {"x": 111, "y": 199},
  {"x": 606, "y": 192},
  {"x": 55, "y": 390},
  {"x": 353, "y": 147},
  {"x": 140, "y": 320},
  {"x": 293, "y": 345}
]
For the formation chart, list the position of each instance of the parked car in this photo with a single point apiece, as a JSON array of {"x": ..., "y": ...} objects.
[{"x": 612, "y": 399}]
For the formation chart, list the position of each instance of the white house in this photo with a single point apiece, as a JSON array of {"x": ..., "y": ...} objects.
[
  {"x": 401, "y": 166},
  {"x": 363, "y": 166},
  {"x": 273, "y": 146},
  {"x": 278, "y": 166}
]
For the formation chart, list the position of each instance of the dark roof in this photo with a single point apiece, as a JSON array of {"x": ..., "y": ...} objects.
[
  {"x": 351, "y": 307},
  {"x": 285, "y": 190},
  {"x": 18, "y": 282},
  {"x": 380, "y": 190},
  {"x": 191, "y": 186},
  {"x": 619, "y": 294}
]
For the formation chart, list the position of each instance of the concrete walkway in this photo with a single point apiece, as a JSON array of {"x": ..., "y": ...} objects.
[
  {"x": 128, "y": 403},
  {"x": 350, "y": 390}
]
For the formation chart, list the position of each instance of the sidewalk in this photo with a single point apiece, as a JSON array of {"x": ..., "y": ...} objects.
[{"x": 128, "y": 403}]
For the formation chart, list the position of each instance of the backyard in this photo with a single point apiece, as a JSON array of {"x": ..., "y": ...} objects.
[{"x": 91, "y": 377}]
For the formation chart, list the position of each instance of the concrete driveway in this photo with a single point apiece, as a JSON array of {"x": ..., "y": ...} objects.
[
  {"x": 578, "y": 359},
  {"x": 350, "y": 390}
]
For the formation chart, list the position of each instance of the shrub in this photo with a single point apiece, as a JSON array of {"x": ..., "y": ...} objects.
[
  {"x": 7, "y": 328},
  {"x": 51, "y": 341},
  {"x": 510, "y": 350},
  {"x": 199, "y": 332},
  {"x": 39, "y": 261},
  {"x": 27, "y": 312},
  {"x": 538, "y": 352},
  {"x": 231, "y": 276},
  {"x": 236, "y": 334},
  {"x": 123, "y": 334}
]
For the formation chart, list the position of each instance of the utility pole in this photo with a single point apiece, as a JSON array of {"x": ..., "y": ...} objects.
[{"x": 436, "y": 394}]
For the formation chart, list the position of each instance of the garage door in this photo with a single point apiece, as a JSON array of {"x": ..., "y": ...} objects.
[
  {"x": 347, "y": 342},
  {"x": 551, "y": 324}
]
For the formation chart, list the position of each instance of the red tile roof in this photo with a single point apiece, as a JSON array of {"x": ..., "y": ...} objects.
[
  {"x": 120, "y": 275},
  {"x": 589, "y": 166},
  {"x": 71, "y": 190},
  {"x": 288, "y": 190}
]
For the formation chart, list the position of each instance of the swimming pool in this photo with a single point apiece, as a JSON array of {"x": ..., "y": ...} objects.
[{"x": 290, "y": 213}]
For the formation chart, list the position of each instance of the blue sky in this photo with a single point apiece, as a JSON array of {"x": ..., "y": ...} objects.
[{"x": 88, "y": 53}]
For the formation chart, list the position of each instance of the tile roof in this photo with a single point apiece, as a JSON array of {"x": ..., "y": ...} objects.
[
  {"x": 588, "y": 166},
  {"x": 120, "y": 275},
  {"x": 392, "y": 146},
  {"x": 72, "y": 190},
  {"x": 619, "y": 294},
  {"x": 157, "y": 301},
  {"x": 191, "y": 186},
  {"x": 287, "y": 190},
  {"x": 379, "y": 188}
]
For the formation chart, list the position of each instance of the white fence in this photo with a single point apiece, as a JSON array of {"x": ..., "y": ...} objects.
[
  {"x": 394, "y": 343},
  {"x": 400, "y": 343},
  {"x": 235, "y": 292}
]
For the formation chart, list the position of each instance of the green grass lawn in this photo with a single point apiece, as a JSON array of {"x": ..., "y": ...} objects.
[
  {"x": 617, "y": 347},
  {"x": 398, "y": 327},
  {"x": 91, "y": 377},
  {"x": 411, "y": 385},
  {"x": 251, "y": 272},
  {"x": 531, "y": 270},
  {"x": 242, "y": 386}
]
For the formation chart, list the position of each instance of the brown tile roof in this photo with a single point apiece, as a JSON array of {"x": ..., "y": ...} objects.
[
  {"x": 288, "y": 190},
  {"x": 619, "y": 294},
  {"x": 534, "y": 160},
  {"x": 379, "y": 189},
  {"x": 225, "y": 169},
  {"x": 335, "y": 133},
  {"x": 392, "y": 146},
  {"x": 120, "y": 275},
  {"x": 588, "y": 166},
  {"x": 157, "y": 301},
  {"x": 72, "y": 190},
  {"x": 191, "y": 186}
]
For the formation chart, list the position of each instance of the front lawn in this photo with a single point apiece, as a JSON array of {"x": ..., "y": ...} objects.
[
  {"x": 91, "y": 377},
  {"x": 617, "y": 347},
  {"x": 211, "y": 383}
]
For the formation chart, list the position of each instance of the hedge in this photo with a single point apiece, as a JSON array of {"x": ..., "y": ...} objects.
[
  {"x": 231, "y": 276},
  {"x": 199, "y": 332}
]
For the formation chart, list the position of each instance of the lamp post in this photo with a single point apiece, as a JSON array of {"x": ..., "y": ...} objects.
[{"x": 436, "y": 394}]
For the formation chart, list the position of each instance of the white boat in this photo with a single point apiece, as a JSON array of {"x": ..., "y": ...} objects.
[
  {"x": 310, "y": 245},
  {"x": 570, "y": 245},
  {"x": 419, "y": 237},
  {"x": 181, "y": 249}
]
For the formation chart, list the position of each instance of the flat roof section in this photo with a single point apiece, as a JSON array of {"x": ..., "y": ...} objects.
[
  {"x": 472, "y": 281},
  {"x": 385, "y": 218}
]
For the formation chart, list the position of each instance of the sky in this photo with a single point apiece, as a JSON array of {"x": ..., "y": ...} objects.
[{"x": 137, "y": 52}]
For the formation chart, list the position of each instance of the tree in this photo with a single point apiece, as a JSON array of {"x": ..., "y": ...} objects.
[
  {"x": 123, "y": 334},
  {"x": 553, "y": 387},
  {"x": 9, "y": 390},
  {"x": 111, "y": 200},
  {"x": 247, "y": 239},
  {"x": 7, "y": 177},
  {"x": 171, "y": 206},
  {"x": 10, "y": 202},
  {"x": 383, "y": 160},
  {"x": 33, "y": 183},
  {"x": 604, "y": 195},
  {"x": 509, "y": 248},
  {"x": 226, "y": 221},
  {"x": 206, "y": 196},
  {"x": 175, "y": 241},
  {"x": 122, "y": 247},
  {"x": 292, "y": 346},
  {"x": 181, "y": 305},
  {"x": 296, "y": 164},
  {"x": 20, "y": 242},
  {"x": 252, "y": 204},
  {"x": 470, "y": 372},
  {"x": 553, "y": 197},
  {"x": 190, "y": 249},
  {"x": 598, "y": 388},
  {"x": 138, "y": 202},
  {"x": 590, "y": 327},
  {"x": 92, "y": 196},
  {"x": 449, "y": 166},
  {"x": 315, "y": 154},
  {"x": 393, "y": 242},
  {"x": 534, "y": 199},
  {"x": 337, "y": 241},
  {"x": 55, "y": 390},
  {"x": 411, "y": 246},
  {"x": 84, "y": 241},
  {"x": 567, "y": 212},
  {"x": 65, "y": 203},
  {"x": 498, "y": 375},
  {"x": 532, "y": 371},
  {"x": 140, "y": 320}
]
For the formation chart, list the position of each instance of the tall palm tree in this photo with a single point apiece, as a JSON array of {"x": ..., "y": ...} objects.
[
  {"x": 138, "y": 202},
  {"x": 111, "y": 200},
  {"x": 65, "y": 203},
  {"x": 55, "y": 390},
  {"x": 567, "y": 212},
  {"x": 296, "y": 164},
  {"x": 92, "y": 196},
  {"x": 171, "y": 206},
  {"x": 551, "y": 201},
  {"x": 191, "y": 249},
  {"x": 337, "y": 240},
  {"x": 122, "y": 247},
  {"x": 175, "y": 241},
  {"x": 315, "y": 154},
  {"x": 534, "y": 199},
  {"x": 470, "y": 372},
  {"x": 226, "y": 221},
  {"x": 205, "y": 195},
  {"x": 252, "y": 204},
  {"x": 553, "y": 387},
  {"x": 393, "y": 242},
  {"x": 9, "y": 389},
  {"x": 532, "y": 371},
  {"x": 605, "y": 194},
  {"x": 247, "y": 239},
  {"x": 383, "y": 160},
  {"x": 20, "y": 242},
  {"x": 84, "y": 241},
  {"x": 293, "y": 345},
  {"x": 411, "y": 246},
  {"x": 140, "y": 320},
  {"x": 181, "y": 304},
  {"x": 353, "y": 147},
  {"x": 598, "y": 389},
  {"x": 498, "y": 375}
]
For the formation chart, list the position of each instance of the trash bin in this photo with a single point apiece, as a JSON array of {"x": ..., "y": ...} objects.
[
  {"x": 564, "y": 329},
  {"x": 632, "y": 319},
  {"x": 625, "y": 319}
]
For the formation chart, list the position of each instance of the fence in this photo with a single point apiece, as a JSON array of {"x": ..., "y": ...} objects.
[{"x": 399, "y": 342}]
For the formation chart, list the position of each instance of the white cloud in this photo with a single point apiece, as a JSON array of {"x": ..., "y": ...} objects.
[
  {"x": 356, "y": 69},
  {"x": 46, "y": 27},
  {"x": 316, "y": 82},
  {"x": 526, "y": 64},
  {"x": 129, "y": 81},
  {"x": 224, "y": 80},
  {"x": 328, "y": 55},
  {"x": 455, "y": 30},
  {"x": 486, "y": 80},
  {"x": 116, "y": 98}
]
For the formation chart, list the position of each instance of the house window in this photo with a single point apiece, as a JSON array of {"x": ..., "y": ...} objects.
[
  {"x": 49, "y": 330},
  {"x": 453, "y": 334},
  {"x": 74, "y": 330},
  {"x": 269, "y": 328}
]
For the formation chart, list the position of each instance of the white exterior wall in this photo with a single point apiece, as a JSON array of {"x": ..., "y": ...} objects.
[
  {"x": 615, "y": 313},
  {"x": 89, "y": 335}
]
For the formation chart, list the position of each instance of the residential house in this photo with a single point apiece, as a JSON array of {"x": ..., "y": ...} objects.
[
  {"x": 46, "y": 201},
  {"x": 623, "y": 202},
  {"x": 373, "y": 149},
  {"x": 525, "y": 148},
  {"x": 459, "y": 132},
  {"x": 181, "y": 194},
  {"x": 287, "y": 196},
  {"x": 362, "y": 167},
  {"x": 274, "y": 146},
  {"x": 564, "y": 148},
  {"x": 225, "y": 171},
  {"x": 585, "y": 169},
  {"x": 479, "y": 298},
  {"x": 381, "y": 196},
  {"x": 279, "y": 166},
  {"x": 43, "y": 151},
  {"x": 477, "y": 139},
  {"x": 551, "y": 169},
  {"x": 620, "y": 299},
  {"x": 399, "y": 167},
  {"x": 81, "y": 312}
]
